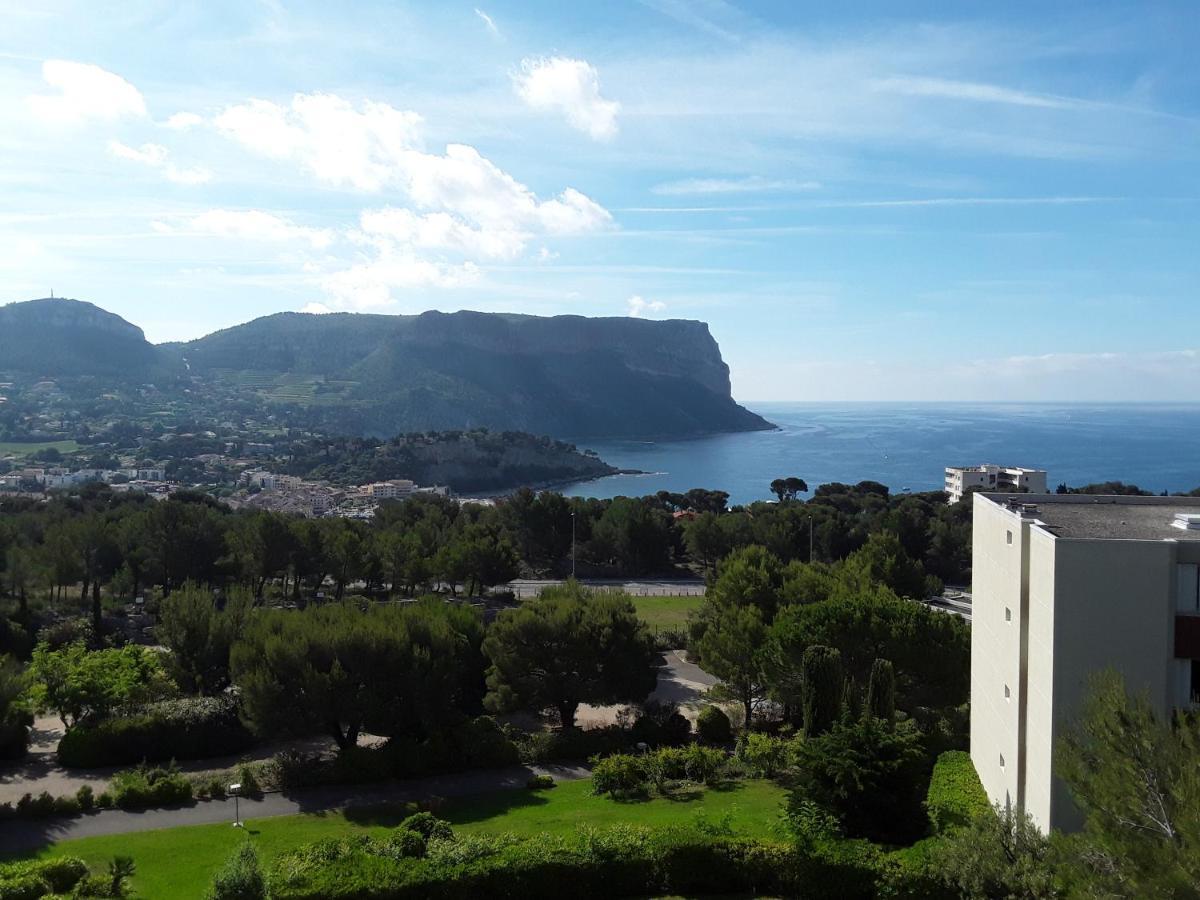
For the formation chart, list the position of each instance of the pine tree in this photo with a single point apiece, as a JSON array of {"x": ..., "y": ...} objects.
[
  {"x": 821, "y": 688},
  {"x": 881, "y": 691}
]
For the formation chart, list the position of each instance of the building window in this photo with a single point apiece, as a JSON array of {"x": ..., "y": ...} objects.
[
  {"x": 1002, "y": 760},
  {"x": 1007, "y": 614},
  {"x": 1007, "y": 693},
  {"x": 1010, "y": 537},
  {"x": 1195, "y": 686}
]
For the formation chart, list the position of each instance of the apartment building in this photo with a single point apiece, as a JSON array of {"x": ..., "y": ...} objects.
[
  {"x": 960, "y": 479},
  {"x": 1065, "y": 586},
  {"x": 397, "y": 489}
]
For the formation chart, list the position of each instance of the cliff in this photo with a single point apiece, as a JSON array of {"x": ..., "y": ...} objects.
[
  {"x": 376, "y": 375},
  {"x": 55, "y": 337}
]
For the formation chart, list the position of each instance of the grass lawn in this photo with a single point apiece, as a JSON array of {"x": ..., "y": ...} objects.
[
  {"x": 666, "y": 612},
  {"x": 178, "y": 863},
  {"x": 17, "y": 448}
]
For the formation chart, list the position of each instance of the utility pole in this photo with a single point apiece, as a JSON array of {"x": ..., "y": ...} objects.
[{"x": 810, "y": 540}]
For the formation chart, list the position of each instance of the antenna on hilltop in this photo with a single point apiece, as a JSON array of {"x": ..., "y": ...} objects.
[{"x": 51, "y": 293}]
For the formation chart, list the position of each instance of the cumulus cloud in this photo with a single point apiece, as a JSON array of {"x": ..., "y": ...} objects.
[
  {"x": 84, "y": 92},
  {"x": 461, "y": 208},
  {"x": 640, "y": 308},
  {"x": 749, "y": 184},
  {"x": 337, "y": 141},
  {"x": 569, "y": 86},
  {"x": 256, "y": 225},
  {"x": 182, "y": 121},
  {"x": 158, "y": 157}
]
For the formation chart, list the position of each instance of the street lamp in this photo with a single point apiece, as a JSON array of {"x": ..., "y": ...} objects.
[
  {"x": 572, "y": 545},
  {"x": 236, "y": 790}
]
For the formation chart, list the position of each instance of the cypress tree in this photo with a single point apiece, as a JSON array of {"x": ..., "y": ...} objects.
[
  {"x": 881, "y": 691},
  {"x": 821, "y": 688}
]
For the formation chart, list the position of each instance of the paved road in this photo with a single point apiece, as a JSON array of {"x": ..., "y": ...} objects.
[
  {"x": 25, "y": 836},
  {"x": 646, "y": 587}
]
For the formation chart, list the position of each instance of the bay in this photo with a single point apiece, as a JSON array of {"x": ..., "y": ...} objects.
[{"x": 908, "y": 446}]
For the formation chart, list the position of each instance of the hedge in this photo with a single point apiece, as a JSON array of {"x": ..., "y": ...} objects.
[
  {"x": 38, "y": 878},
  {"x": 476, "y": 744},
  {"x": 617, "y": 862},
  {"x": 955, "y": 795},
  {"x": 188, "y": 728}
]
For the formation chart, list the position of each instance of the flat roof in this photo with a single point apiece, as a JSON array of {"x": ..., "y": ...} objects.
[{"x": 1105, "y": 517}]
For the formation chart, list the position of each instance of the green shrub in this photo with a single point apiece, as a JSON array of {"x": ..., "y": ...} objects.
[
  {"x": 428, "y": 826},
  {"x": 407, "y": 844},
  {"x": 38, "y": 878},
  {"x": 187, "y": 728},
  {"x": 955, "y": 795},
  {"x": 241, "y": 877},
  {"x": 146, "y": 786},
  {"x": 763, "y": 756},
  {"x": 570, "y": 745},
  {"x": 24, "y": 887},
  {"x": 39, "y": 807},
  {"x": 14, "y": 739},
  {"x": 620, "y": 775},
  {"x": 104, "y": 800},
  {"x": 705, "y": 765},
  {"x": 713, "y": 727},
  {"x": 85, "y": 797},
  {"x": 593, "y": 863},
  {"x": 540, "y": 782}
]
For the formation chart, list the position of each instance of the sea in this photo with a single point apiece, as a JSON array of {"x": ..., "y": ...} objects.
[{"x": 908, "y": 445}]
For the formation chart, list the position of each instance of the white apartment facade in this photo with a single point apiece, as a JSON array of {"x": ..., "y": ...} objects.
[
  {"x": 960, "y": 479},
  {"x": 1065, "y": 586}
]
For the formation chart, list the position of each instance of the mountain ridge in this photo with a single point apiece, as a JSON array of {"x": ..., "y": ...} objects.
[{"x": 377, "y": 375}]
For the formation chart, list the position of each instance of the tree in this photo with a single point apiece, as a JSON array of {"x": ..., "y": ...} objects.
[
  {"x": 869, "y": 774},
  {"x": 731, "y": 648},
  {"x": 881, "y": 690},
  {"x": 705, "y": 540},
  {"x": 788, "y": 488},
  {"x": 395, "y": 670},
  {"x": 822, "y": 686},
  {"x": 200, "y": 636},
  {"x": 883, "y": 561},
  {"x": 80, "y": 684},
  {"x": 1135, "y": 778},
  {"x": 1000, "y": 856},
  {"x": 569, "y": 646},
  {"x": 930, "y": 651}
]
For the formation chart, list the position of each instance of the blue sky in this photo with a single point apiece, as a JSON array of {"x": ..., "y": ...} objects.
[{"x": 917, "y": 201}]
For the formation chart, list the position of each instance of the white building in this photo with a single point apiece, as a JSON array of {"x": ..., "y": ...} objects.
[
  {"x": 960, "y": 479},
  {"x": 398, "y": 489},
  {"x": 1065, "y": 586}
]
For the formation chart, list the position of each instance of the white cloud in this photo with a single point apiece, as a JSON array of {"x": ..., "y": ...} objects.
[
  {"x": 182, "y": 121},
  {"x": 256, "y": 225},
  {"x": 158, "y": 157},
  {"x": 440, "y": 231},
  {"x": 971, "y": 90},
  {"x": 571, "y": 86},
  {"x": 488, "y": 22},
  {"x": 328, "y": 135},
  {"x": 85, "y": 92},
  {"x": 369, "y": 284},
  {"x": 147, "y": 154},
  {"x": 640, "y": 308},
  {"x": 316, "y": 309},
  {"x": 749, "y": 184},
  {"x": 461, "y": 208}
]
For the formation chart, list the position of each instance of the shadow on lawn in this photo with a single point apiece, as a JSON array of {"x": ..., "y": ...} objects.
[{"x": 488, "y": 806}]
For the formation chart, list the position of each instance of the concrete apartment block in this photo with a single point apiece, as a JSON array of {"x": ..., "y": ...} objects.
[{"x": 1065, "y": 586}]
